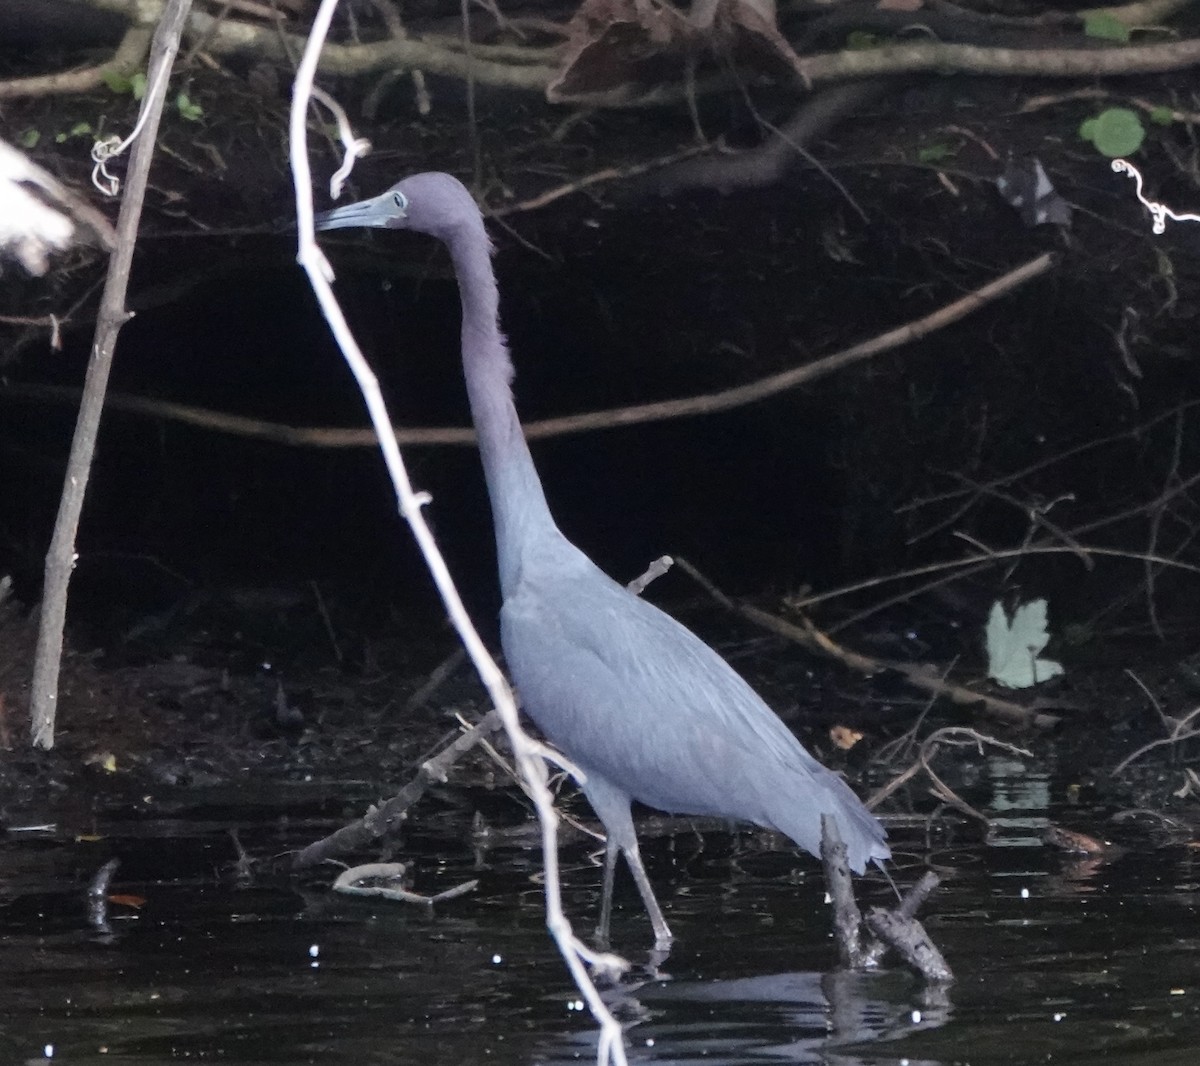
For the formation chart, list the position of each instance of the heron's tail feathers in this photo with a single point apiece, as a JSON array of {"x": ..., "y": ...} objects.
[{"x": 861, "y": 832}]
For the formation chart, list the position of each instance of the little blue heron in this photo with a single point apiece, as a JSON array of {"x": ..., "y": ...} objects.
[{"x": 641, "y": 705}]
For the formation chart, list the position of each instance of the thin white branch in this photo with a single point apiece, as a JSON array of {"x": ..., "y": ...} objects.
[
  {"x": 576, "y": 955},
  {"x": 356, "y": 147},
  {"x": 1158, "y": 212},
  {"x": 108, "y": 148}
]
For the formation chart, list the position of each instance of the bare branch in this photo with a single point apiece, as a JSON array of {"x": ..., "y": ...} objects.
[
  {"x": 687, "y": 407},
  {"x": 128, "y": 57},
  {"x": 808, "y": 636},
  {"x": 1010, "y": 62},
  {"x": 60, "y": 559}
]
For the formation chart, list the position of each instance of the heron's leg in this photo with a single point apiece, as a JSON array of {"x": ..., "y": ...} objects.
[
  {"x": 612, "y": 807},
  {"x": 610, "y": 868},
  {"x": 662, "y": 932}
]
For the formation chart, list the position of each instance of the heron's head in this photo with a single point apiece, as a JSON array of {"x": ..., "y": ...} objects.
[{"x": 432, "y": 203}]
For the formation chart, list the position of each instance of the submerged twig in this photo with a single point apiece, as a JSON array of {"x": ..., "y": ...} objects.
[
  {"x": 847, "y": 918},
  {"x": 908, "y": 937},
  {"x": 897, "y": 928},
  {"x": 905, "y": 910},
  {"x": 97, "y": 897},
  {"x": 382, "y": 819},
  {"x": 350, "y": 883}
]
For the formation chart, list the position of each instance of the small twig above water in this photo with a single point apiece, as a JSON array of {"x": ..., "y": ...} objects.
[
  {"x": 653, "y": 572},
  {"x": 437, "y": 677},
  {"x": 954, "y": 736},
  {"x": 897, "y": 928},
  {"x": 1179, "y": 729}
]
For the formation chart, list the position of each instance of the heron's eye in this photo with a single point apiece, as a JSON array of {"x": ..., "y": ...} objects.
[{"x": 401, "y": 201}]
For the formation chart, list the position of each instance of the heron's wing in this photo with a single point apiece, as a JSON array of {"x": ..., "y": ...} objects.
[{"x": 626, "y": 690}]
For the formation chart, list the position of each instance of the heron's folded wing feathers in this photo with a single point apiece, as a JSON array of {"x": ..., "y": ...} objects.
[{"x": 626, "y": 690}]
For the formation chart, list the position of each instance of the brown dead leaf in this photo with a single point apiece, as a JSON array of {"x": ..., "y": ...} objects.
[
  {"x": 844, "y": 737},
  {"x": 632, "y": 47},
  {"x": 1073, "y": 842},
  {"x": 106, "y": 760}
]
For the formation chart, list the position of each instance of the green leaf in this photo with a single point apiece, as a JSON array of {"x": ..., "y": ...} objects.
[
  {"x": 860, "y": 40},
  {"x": 187, "y": 109},
  {"x": 935, "y": 153},
  {"x": 80, "y": 129},
  {"x": 1116, "y": 132},
  {"x": 1013, "y": 645},
  {"x": 1162, "y": 116},
  {"x": 137, "y": 85},
  {"x": 1105, "y": 27},
  {"x": 30, "y": 138},
  {"x": 118, "y": 81}
]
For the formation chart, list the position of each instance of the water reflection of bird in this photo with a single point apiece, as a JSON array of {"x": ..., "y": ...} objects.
[{"x": 644, "y": 707}]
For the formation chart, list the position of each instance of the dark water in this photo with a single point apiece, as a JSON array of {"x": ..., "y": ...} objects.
[{"x": 1057, "y": 962}]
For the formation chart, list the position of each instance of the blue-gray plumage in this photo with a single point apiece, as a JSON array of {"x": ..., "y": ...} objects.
[{"x": 644, "y": 707}]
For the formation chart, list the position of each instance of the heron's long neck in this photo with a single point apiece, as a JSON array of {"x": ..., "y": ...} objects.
[{"x": 519, "y": 507}]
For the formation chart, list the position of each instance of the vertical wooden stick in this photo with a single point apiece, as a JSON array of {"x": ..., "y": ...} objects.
[{"x": 60, "y": 559}]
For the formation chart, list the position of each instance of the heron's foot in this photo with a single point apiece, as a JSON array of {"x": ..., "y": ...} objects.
[{"x": 663, "y": 937}]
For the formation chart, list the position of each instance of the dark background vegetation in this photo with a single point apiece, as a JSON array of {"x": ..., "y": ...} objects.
[{"x": 617, "y": 295}]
